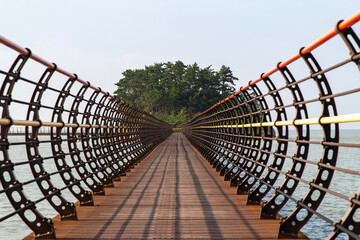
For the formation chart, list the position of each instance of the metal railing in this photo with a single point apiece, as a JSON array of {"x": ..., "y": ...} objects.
[
  {"x": 281, "y": 139},
  {"x": 89, "y": 139}
]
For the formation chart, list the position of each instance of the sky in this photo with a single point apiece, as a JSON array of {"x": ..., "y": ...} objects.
[{"x": 98, "y": 40}]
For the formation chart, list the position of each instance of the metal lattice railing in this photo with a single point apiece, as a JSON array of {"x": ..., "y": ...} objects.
[
  {"x": 281, "y": 138},
  {"x": 73, "y": 140}
]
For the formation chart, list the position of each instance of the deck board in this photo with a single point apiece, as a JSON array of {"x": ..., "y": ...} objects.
[{"x": 172, "y": 194}]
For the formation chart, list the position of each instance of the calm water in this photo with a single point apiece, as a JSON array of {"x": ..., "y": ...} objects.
[{"x": 332, "y": 207}]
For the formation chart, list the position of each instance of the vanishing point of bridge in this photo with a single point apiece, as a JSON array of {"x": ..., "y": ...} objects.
[{"x": 107, "y": 170}]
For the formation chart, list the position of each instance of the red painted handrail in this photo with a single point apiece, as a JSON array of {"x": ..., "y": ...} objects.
[{"x": 25, "y": 52}]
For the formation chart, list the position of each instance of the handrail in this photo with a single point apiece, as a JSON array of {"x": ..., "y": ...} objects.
[
  {"x": 25, "y": 52},
  {"x": 247, "y": 137},
  {"x": 76, "y": 140},
  {"x": 342, "y": 25}
]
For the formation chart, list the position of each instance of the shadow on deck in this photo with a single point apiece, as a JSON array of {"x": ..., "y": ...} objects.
[{"x": 172, "y": 194}]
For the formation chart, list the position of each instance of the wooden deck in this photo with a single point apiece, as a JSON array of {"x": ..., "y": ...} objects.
[{"x": 172, "y": 194}]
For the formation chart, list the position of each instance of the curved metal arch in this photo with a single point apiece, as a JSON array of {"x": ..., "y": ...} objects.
[
  {"x": 240, "y": 136},
  {"x": 224, "y": 136},
  {"x": 209, "y": 151},
  {"x": 109, "y": 140},
  {"x": 227, "y": 170},
  {"x": 42, "y": 227},
  {"x": 137, "y": 137},
  {"x": 105, "y": 145},
  {"x": 133, "y": 156},
  {"x": 80, "y": 166},
  {"x": 246, "y": 185},
  {"x": 67, "y": 177},
  {"x": 288, "y": 186},
  {"x": 231, "y": 138},
  {"x": 96, "y": 144},
  {"x": 245, "y": 140},
  {"x": 254, "y": 146},
  {"x": 218, "y": 139},
  {"x": 137, "y": 148},
  {"x": 205, "y": 152},
  {"x": 256, "y": 195},
  {"x": 94, "y": 163},
  {"x": 111, "y": 137},
  {"x": 215, "y": 142},
  {"x": 293, "y": 223},
  {"x": 65, "y": 209},
  {"x": 128, "y": 135},
  {"x": 122, "y": 135},
  {"x": 348, "y": 221}
]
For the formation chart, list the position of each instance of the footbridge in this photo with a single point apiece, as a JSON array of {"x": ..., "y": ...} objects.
[{"x": 279, "y": 158}]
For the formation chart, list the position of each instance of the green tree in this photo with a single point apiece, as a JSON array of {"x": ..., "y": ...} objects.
[
  {"x": 226, "y": 79},
  {"x": 175, "y": 92}
]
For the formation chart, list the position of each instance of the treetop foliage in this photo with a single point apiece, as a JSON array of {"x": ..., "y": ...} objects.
[{"x": 175, "y": 92}]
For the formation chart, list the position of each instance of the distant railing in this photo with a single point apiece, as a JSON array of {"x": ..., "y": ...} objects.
[
  {"x": 282, "y": 137},
  {"x": 89, "y": 139}
]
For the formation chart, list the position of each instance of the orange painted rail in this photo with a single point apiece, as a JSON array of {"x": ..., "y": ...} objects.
[{"x": 341, "y": 26}]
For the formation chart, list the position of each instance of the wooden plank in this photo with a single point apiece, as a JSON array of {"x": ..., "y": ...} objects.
[{"x": 172, "y": 194}]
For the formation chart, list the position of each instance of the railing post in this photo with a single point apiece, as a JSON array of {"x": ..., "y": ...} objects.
[{"x": 42, "y": 227}]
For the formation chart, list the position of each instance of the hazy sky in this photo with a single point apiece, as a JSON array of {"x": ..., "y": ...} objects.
[{"x": 98, "y": 40}]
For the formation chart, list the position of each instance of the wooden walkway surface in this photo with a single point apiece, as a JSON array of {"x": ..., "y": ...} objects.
[{"x": 172, "y": 194}]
